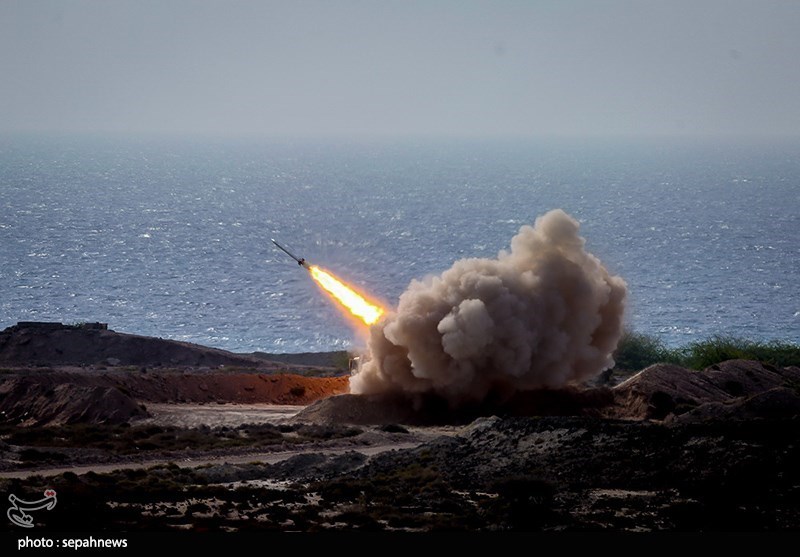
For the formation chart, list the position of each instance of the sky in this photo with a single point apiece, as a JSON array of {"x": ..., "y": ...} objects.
[{"x": 399, "y": 68}]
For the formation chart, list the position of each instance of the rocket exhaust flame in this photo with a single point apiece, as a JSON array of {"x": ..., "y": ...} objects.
[
  {"x": 544, "y": 314},
  {"x": 366, "y": 312},
  {"x": 351, "y": 300}
]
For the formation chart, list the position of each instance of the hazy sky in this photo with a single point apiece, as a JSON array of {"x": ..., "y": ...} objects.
[{"x": 446, "y": 67}]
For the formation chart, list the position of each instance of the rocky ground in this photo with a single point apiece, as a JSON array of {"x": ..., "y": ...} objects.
[
  {"x": 666, "y": 449},
  {"x": 529, "y": 474},
  {"x": 53, "y": 374}
]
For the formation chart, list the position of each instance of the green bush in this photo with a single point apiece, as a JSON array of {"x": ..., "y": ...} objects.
[
  {"x": 705, "y": 353},
  {"x": 637, "y": 351},
  {"x": 341, "y": 360},
  {"x": 778, "y": 353}
]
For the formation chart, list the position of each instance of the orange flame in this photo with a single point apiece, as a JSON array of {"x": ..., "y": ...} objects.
[{"x": 357, "y": 305}]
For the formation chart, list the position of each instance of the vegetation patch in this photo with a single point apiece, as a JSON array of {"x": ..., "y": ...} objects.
[{"x": 637, "y": 351}]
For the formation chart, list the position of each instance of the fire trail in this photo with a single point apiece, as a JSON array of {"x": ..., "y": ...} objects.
[{"x": 346, "y": 296}]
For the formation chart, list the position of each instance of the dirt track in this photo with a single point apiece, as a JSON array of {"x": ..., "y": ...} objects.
[
  {"x": 368, "y": 441},
  {"x": 217, "y": 415},
  {"x": 264, "y": 458}
]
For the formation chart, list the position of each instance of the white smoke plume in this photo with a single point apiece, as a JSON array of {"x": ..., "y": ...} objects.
[{"x": 545, "y": 314}]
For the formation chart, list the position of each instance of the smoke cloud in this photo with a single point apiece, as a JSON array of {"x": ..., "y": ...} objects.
[{"x": 545, "y": 314}]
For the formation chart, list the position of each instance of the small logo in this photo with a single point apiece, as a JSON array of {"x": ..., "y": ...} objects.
[{"x": 16, "y": 512}]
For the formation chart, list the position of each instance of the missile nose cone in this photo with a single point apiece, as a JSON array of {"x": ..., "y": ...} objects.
[{"x": 301, "y": 261}]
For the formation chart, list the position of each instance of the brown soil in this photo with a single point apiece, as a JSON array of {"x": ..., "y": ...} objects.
[
  {"x": 736, "y": 389},
  {"x": 28, "y": 403},
  {"x": 129, "y": 369},
  {"x": 39, "y": 397},
  {"x": 55, "y": 374},
  {"x": 56, "y": 344},
  {"x": 668, "y": 449}
]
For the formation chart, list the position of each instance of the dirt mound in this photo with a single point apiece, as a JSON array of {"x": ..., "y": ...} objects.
[
  {"x": 737, "y": 389},
  {"x": 317, "y": 465},
  {"x": 361, "y": 410},
  {"x": 432, "y": 410},
  {"x": 774, "y": 404},
  {"x": 664, "y": 390},
  {"x": 197, "y": 386},
  {"x": 29, "y": 403},
  {"x": 57, "y": 344},
  {"x": 242, "y": 388}
]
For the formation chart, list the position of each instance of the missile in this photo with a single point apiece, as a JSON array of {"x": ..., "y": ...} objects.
[{"x": 300, "y": 260}]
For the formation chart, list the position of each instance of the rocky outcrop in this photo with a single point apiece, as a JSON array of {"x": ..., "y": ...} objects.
[
  {"x": 29, "y": 403},
  {"x": 191, "y": 386},
  {"x": 665, "y": 391},
  {"x": 577, "y": 473},
  {"x": 774, "y": 404},
  {"x": 55, "y": 344}
]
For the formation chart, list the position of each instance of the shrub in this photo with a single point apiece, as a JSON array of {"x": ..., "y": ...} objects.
[
  {"x": 637, "y": 351},
  {"x": 33, "y": 455},
  {"x": 705, "y": 353},
  {"x": 341, "y": 360},
  {"x": 523, "y": 502}
]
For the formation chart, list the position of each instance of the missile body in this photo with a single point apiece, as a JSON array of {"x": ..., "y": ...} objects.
[{"x": 300, "y": 260}]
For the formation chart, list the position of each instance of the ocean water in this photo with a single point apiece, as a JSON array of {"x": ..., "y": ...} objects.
[{"x": 171, "y": 237}]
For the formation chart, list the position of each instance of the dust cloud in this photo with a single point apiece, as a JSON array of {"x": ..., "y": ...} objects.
[{"x": 544, "y": 314}]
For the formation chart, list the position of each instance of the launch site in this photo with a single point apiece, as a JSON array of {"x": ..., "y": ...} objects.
[
  {"x": 358, "y": 274},
  {"x": 137, "y": 433}
]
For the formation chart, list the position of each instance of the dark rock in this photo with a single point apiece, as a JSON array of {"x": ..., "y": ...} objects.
[
  {"x": 777, "y": 403},
  {"x": 317, "y": 465},
  {"x": 663, "y": 390},
  {"x": 57, "y": 344}
]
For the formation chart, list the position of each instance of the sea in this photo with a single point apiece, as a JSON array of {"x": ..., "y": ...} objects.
[{"x": 170, "y": 236}]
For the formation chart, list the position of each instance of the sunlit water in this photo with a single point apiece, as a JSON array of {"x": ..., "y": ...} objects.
[{"x": 170, "y": 238}]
